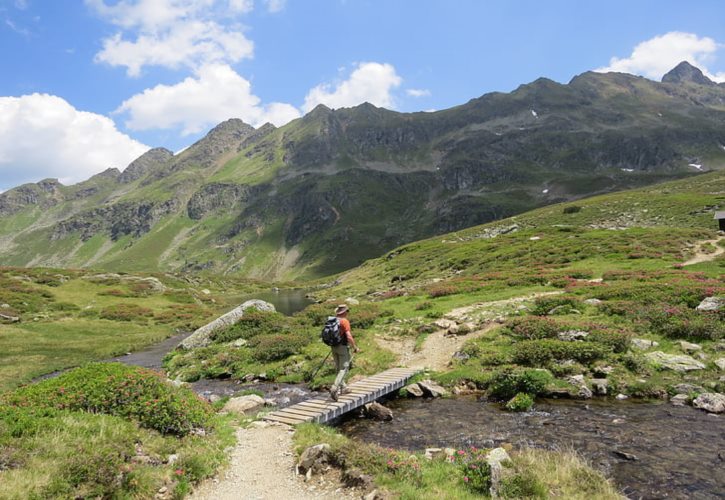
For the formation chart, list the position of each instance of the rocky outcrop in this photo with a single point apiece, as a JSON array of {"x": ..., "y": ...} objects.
[
  {"x": 44, "y": 194},
  {"x": 117, "y": 220},
  {"x": 150, "y": 160},
  {"x": 203, "y": 336},
  {"x": 215, "y": 197},
  {"x": 711, "y": 304},
  {"x": 678, "y": 363}
]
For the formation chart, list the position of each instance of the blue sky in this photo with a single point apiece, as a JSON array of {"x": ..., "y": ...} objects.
[{"x": 89, "y": 84}]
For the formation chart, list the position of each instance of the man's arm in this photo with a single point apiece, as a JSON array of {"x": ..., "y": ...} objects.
[{"x": 350, "y": 340}]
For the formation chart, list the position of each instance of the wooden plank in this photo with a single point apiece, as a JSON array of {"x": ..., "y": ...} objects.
[
  {"x": 294, "y": 414},
  {"x": 307, "y": 404},
  {"x": 302, "y": 411},
  {"x": 284, "y": 420}
]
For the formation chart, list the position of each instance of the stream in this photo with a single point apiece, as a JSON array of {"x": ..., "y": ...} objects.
[{"x": 674, "y": 452}]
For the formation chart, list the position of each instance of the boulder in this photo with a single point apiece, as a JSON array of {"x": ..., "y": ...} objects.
[
  {"x": 711, "y": 304},
  {"x": 592, "y": 302},
  {"x": 314, "y": 459},
  {"x": 445, "y": 324},
  {"x": 678, "y": 363},
  {"x": 352, "y": 301},
  {"x": 203, "y": 336},
  {"x": 414, "y": 390},
  {"x": 355, "y": 478},
  {"x": 585, "y": 392},
  {"x": 572, "y": 335},
  {"x": 243, "y": 404},
  {"x": 689, "y": 347},
  {"x": 712, "y": 402},
  {"x": 644, "y": 344},
  {"x": 378, "y": 412},
  {"x": 239, "y": 343},
  {"x": 432, "y": 389},
  {"x": 720, "y": 363},
  {"x": 687, "y": 388},
  {"x": 576, "y": 380},
  {"x": 599, "y": 386},
  {"x": 680, "y": 399},
  {"x": 8, "y": 318}
]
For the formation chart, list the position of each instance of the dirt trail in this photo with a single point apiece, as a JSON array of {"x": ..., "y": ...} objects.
[
  {"x": 701, "y": 256},
  {"x": 262, "y": 467},
  {"x": 439, "y": 347}
]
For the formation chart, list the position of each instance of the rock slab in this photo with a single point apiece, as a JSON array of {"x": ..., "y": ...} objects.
[
  {"x": 678, "y": 363},
  {"x": 712, "y": 402},
  {"x": 202, "y": 337}
]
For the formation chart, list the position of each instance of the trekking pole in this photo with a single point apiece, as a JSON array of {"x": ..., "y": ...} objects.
[{"x": 319, "y": 367}]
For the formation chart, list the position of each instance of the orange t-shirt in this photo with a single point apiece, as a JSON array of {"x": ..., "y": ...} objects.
[{"x": 345, "y": 327}]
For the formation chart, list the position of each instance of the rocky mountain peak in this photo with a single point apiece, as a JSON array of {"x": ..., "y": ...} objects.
[
  {"x": 686, "y": 72},
  {"x": 232, "y": 130},
  {"x": 145, "y": 163}
]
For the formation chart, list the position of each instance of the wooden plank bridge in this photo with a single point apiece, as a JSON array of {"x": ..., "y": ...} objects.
[{"x": 324, "y": 409}]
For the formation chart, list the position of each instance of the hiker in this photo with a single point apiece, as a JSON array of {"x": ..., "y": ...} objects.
[{"x": 341, "y": 352}]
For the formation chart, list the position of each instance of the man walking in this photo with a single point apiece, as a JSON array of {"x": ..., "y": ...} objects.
[{"x": 341, "y": 352}]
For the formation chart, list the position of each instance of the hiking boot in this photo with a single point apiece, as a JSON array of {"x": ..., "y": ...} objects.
[{"x": 333, "y": 393}]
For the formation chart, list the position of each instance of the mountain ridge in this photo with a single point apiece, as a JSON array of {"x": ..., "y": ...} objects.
[{"x": 335, "y": 187}]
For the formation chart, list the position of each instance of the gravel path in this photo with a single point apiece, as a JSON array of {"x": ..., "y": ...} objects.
[
  {"x": 262, "y": 467},
  {"x": 701, "y": 256}
]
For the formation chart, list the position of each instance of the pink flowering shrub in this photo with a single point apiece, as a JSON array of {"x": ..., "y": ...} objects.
[
  {"x": 475, "y": 471},
  {"x": 405, "y": 466}
]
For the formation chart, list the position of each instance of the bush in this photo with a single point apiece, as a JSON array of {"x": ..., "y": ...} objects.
[
  {"x": 543, "y": 352},
  {"x": 252, "y": 324},
  {"x": 475, "y": 469},
  {"x": 120, "y": 390},
  {"x": 441, "y": 291},
  {"x": 532, "y": 327},
  {"x": 125, "y": 312},
  {"x": 683, "y": 323},
  {"x": 523, "y": 484},
  {"x": 616, "y": 340},
  {"x": 507, "y": 383},
  {"x": 268, "y": 348},
  {"x": 520, "y": 402},
  {"x": 572, "y": 209},
  {"x": 543, "y": 305},
  {"x": 423, "y": 306}
]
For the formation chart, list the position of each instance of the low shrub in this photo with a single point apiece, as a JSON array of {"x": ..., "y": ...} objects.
[
  {"x": 616, "y": 340},
  {"x": 268, "y": 348},
  {"x": 441, "y": 291},
  {"x": 684, "y": 323},
  {"x": 520, "y": 402},
  {"x": 474, "y": 468},
  {"x": 545, "y": 351},
  {"x": 545, "y": 305},
  {"x": 125, "y": 312},
  {"x": 505, "y": 384},
  {"x": 120, "y": 390},
  {"x": 522, "y": 484},
  {"x": 423, "y": 306},
  {"x": 532, "y": 327},
  {"x": 572, "y": 209},
  {"x": 252, "y": 324}
]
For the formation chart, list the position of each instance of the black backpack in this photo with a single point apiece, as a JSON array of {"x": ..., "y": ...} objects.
[{"x": 331, "y": 333}]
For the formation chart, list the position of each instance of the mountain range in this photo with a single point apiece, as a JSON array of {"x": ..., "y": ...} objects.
[{"x": 336, "y": 187}]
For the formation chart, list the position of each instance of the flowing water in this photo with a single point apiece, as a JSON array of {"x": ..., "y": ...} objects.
[{"x": 675, "y": 452}]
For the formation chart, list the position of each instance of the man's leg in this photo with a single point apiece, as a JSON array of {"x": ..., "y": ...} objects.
[{"x": 342, "y": 359}]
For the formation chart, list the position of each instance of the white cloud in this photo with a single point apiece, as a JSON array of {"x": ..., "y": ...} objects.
[
  {"x": 241, "y": 6},
  {"x": 418, "y": 92},
  {"x": 216, "y": 93},
  {"x": 656, "y": 56},
  {"x": 21, "y": 4},
  {"x": 173, "y": 33},
  {"x": 43, "y": 136},
  {"x": 370, "y": 82},
  {"x": 275, "y": 6}
]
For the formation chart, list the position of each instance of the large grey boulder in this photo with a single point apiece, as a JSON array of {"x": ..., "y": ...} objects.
[
  {"x": 712, "y": 402},
  {"x": 314, "y": 459},
  {"x": 432, "y": 389},
  {"x": 202, "y": 336},
  {"x": 678, "y": 363},
  {"x": 711, "y": 304},
  {"x": 243, "y": 404}
]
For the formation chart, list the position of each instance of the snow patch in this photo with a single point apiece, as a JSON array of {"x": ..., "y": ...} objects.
[
  {"x": 659, "y": 114},
  {"x": 723, "y": 147},
  {"x": 534, "y": 114},
  {"x": 695, "y": 165},
  {"x": 627, "y": 170},
  {"x": 545, "y": 191}
]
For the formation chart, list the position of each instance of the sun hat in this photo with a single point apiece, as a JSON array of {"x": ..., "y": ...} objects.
[{"x": 341, "y": 309}]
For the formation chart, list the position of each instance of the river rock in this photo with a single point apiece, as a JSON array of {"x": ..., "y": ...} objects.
[
  {"x": 678, "y": 363},
  {"x": 203, "y": 336},
  {"x": 585, "y": 392},
  {"x": 622, "y": 397},
  {"x": 712, "y": 402},
  {"x": 720, "y": 363},
  {"x": 432, "y": 389},
  {"x": 576, "y": 380},
  {"x": 687, "y": 388},
  {"x": 711, "y": 304},
  {"x": 644, "y": 344},
  {"x": 378, "y": 412},
  {"x": 689, "y": 347},
  {"x": 314, "y": 458},
  {"x": 414, "y": 390},
  {"x": 599, "y": 386},
  {"x": 680, "y": 399},
  {"x": 243, "y": 404},
  {"x": 572, "y": 335}
]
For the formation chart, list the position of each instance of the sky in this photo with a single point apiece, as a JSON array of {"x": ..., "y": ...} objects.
[{"x": 90, "y": 84}]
